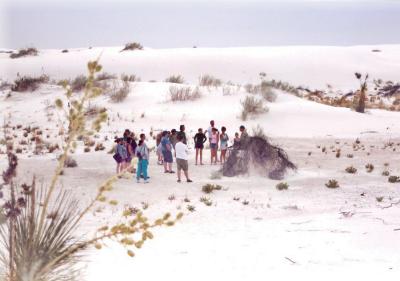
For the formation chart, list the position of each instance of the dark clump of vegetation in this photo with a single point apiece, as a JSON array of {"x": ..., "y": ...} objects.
[
  {"x": 351, "y": 170},
  {"x": 24, "y": 53},
  {"x": 28, "y": 84},
  {"x": 332, "y": 184},
  {"x": 282, "y": 186},
  {"x": 257, "y": 153},
  {"x": 178, "y": 79},
  {"x": 394, "y": 179},
  {"x": 209, "y": 188},
  {"x": 79, "y": 83},
  {"x": 132, "y": 46}
]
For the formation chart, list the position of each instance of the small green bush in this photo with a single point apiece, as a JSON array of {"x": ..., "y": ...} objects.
[
  {"x": 369, "y": 167},
  {"x": 209, "y": 188},
  {"x": 209, "y": 81},
  {"x": 282, "y": 186}
]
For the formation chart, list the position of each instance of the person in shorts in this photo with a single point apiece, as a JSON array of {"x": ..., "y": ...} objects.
[
  {"x": 214, "y": 139},
  {"x": 199, "y": 140},
  {"x": 181, "y": 154}
]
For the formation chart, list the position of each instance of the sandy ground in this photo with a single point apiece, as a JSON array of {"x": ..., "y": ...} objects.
[{"x": 305, "y": 231}]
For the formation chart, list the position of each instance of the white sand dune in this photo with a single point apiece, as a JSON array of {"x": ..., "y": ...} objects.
[{"x": 295, "y": 234}]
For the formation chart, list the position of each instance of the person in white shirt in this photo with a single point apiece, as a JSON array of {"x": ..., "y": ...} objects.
[{"x": 181, "y": 154}]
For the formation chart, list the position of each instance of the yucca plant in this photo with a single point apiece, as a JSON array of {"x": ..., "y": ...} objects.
[{"x": 360, "y": 103}]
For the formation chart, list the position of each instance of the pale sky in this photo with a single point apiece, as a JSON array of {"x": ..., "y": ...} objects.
[{"x": 217, "y": 23}]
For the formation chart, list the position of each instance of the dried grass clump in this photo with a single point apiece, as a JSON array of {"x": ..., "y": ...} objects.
[
  {"x": 209, "y": 188},
  {"x": 24, "y": 53},
  {"x": 266, "y": 92},
  {"x": 105, "y": 76},
  {"x": 177, "y": 79},
  {"x": 29, "y": 84},
  {"x": 132, "y": 46},
  {"x": 79, "y": 83},
  {"x": 394, "y": 179},
  {"x": 209, "y": 81},
  {"x": 351, "y": 170},
  {"x": 184, "y": 93},
  {"x": 332, "y": 184},
  {"x": 252, "y": 106},
  {"x": 130, "y": 78},
  {"x": 120, "y": 94},
  {"x": 70, "y": 162}
]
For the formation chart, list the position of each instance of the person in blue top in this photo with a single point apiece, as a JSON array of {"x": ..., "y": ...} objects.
[{"x": 166, "y": 148}]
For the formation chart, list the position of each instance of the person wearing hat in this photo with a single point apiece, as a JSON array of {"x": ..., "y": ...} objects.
[{"x": 166, "y": 148}]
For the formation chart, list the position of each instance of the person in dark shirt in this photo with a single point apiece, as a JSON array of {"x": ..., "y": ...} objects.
[
  {"x": 199, "y": 140},
  {"x": 182, "y": 133}
]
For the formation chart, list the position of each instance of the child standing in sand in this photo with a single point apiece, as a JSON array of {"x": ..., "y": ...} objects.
[
  {"x": 181, "y": 154},
  {"x": 214, "y": 139},
  {"x": 223, "y": 137},
  {"x": 142, "y": 152}
]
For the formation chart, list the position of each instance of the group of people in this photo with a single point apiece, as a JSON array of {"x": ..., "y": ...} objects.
[{"x": 134, "y": 157}]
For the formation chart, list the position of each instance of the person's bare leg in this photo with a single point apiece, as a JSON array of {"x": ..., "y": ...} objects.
[
  {"x": 201, "y": 157},
  {"x": 179, "y": 174},
  {"x": 165, "y": 166},
  {"x": 197, "y": 155},
  {"x": 186, "y": 174}
]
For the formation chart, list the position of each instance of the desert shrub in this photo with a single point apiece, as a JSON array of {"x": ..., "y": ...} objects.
[
  {"x": 26, "y": 83},
  {"x": 99, "y": 147},
  {"x": 351, "y": 170},
  {"x": 132, "y": 46},
  {"x": 332, "y": 184},
  {"x": 394, "y": 179},
  {"x": 259, "y": 132},
  {"x": 282, "y": 186},
  {"x": 24, "y": 53},
  {"x": 266, "y": 92},
  {"x": 252, "y": 106},
  {"x": 178, "y": 79},
  {"x": 252, "y": 89},
  {"x": 206, "y": 200},
  {"x": 369, "y": 167},
  {"x": 65, "y": 51},
  {"x": 349, "y": 155},
  {"x": 79, "y": 83},
  {"x": 130, "y": 78},
  {"x": 119, "y": 95},
  {"x": 209, "y": 81},
  {"x": 385, "y": 173},
  {"x": 184, "y": 93},
  {"x": 105, "y": 76},
  {"x": 209, "y": 188},
  {"x": 379, "y": 198},
  {"x": 70, "y": 162}
]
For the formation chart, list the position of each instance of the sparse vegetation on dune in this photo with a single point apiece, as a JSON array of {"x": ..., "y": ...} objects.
[
  {"x": 207, "y": 80},
  {"x": 177, "y": 79},
  {"x": 252, "y": 107},
  {"x": 24, "y": 53},
  {"x": 120, "y": 94},
  {"x": 130, "y": 78},
  {"x": 184, "y": 93},
  {"x": 29, "y": 84},
  {"x": 132, "y": 46}
]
